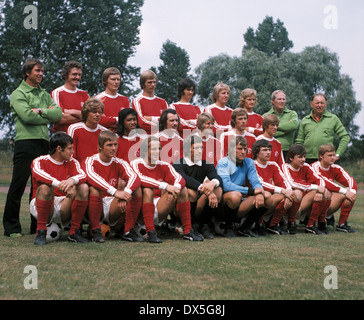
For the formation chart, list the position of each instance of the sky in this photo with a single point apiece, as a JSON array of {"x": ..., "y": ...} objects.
[{"x": 207, "y": 28}]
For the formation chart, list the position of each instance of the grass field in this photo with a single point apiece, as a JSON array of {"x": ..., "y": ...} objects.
[{"x": 267, "y": 268}]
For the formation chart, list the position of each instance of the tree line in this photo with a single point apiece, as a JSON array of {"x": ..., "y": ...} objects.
[{"x": 103, "y": 34}]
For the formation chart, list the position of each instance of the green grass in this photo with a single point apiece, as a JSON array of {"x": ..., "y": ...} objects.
[{"x": 267, "y": 268}]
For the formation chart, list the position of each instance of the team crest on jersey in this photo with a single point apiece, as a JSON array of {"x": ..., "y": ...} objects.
[
  {"x": 113, "y": 182},
  {"x": 276, "y": 154}
]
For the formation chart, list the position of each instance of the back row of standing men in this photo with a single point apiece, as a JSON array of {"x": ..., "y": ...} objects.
[{"x": 171, "y": 124}]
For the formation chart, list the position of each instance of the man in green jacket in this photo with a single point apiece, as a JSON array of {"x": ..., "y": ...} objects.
[
  {"x": 288, "y": 120},
  {"x": 33, "y": 109},
  {"x": 320, "y": 127}
]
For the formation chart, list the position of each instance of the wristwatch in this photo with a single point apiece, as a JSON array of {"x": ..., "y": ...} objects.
[{"x": 40, "y": 111}]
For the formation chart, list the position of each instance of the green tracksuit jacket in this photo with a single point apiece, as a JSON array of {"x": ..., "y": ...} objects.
[
  {"x": 313, "y": 134},
  {"x": 28, "y": 124}
]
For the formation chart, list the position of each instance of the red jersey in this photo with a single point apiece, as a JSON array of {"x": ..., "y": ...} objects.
[
  {"x": 153, "y": 107},
  {"x": 85, "y": 140},
  {"x": 222, "y": 118},
  {"x": 225, "y": 139},
  {"x": 304, "y": 178},
  {"x": 272, "y": 177},
  {"x": 46, "y": 170},
  {"x": 68, "y": 99},
  {"x": 254, "y": 124},
  {"x": 105, "y": 176},
  {"x": 158, "y": 176},
  {"x": 172, "y": 147},
  {"x": 112, "y": 106},
  {"x": 338, "y": 174},
  {"x": 129, "y": 146},
  {"x": 277, "y": 152},
  {"x": 186, "y": 111}
]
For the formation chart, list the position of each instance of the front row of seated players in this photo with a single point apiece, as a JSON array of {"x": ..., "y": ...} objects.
[{"x": 156, "y": 189}]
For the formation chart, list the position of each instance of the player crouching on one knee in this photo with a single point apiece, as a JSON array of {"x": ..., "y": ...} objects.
[
  {"x": 283, "y": 199},
  {"x": 316, "y": 198},
  {"x": 240, "y": 201},
  {"x": 163, "y": 191},
  {"x": 60, "y": 193},
  {"x": 107, "y": 201},
  {"x": 343, "y": 198}
]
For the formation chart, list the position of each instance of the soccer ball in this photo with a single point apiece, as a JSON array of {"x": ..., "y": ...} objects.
[
  {"x": 141, "y": 231},
  {"x": 220, "y": 228},
  {"x": 105, "y": 230},
  {"x": 54, "y": 232}
]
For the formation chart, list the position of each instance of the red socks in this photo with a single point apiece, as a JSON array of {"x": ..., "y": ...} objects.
[
  {"x": 292, "y": 212},
  {"x": 345, "y": 212},
  {"x": 78, "y": 210},
  {"x": 184, "y": 212},
  {"x": 318, "y": 212},
  {"x": 132, "y": 212},
  {"x": 94, "y": 211},
  {"x": 278, "y": 214},
  {"x": 148, "y": 216},
  {"x": 44, "y": 208}
]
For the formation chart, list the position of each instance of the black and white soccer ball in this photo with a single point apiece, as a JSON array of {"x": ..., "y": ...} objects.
[
  {"x": 54, "y": 232},
  {"x": 141, "y": 231}
]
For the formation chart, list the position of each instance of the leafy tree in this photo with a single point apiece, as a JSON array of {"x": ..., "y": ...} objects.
[
  {"x": 175, "y": 67},
  {"x": 270, "y": 37},
  {"x": 299, "y": 75},
  {"x": 99, "y": 34},
  {"x": 208, "y": 74}
]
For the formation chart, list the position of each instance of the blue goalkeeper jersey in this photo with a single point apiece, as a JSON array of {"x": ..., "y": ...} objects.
[{"x": 238, "y": 177}]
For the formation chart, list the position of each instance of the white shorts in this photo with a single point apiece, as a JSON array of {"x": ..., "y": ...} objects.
[
  {"x": 156, "y": 217},
  {"x": 106, "y": 203},
  {"x": 57, "y": 203}
]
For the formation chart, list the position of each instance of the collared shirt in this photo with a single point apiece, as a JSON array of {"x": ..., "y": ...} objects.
[
  {"x": 190, "y": 163},
  {"x": 196, "y": 173},
  {"x": 313, "y": 134},
  {"x": 28, "y": 124}
]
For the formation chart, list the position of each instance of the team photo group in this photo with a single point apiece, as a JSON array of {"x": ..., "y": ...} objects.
[{"x": 106, "y": 166}]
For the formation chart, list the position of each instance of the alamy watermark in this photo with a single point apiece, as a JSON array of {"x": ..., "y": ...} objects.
[
  {"x": 331, "y": 21},
  {"x": 331, "y": 281},
  {"x": 31, "y": 20},
  {"x": 31, "y": 281}
]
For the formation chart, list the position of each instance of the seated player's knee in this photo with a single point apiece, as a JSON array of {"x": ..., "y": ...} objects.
[
  {"x": 82, "y": 191},
  {"x": 192, "y": 195},
  {"x": 183, "y": 196},
  {"x": 297, "y": 195},
  {"x": 148, "y": 194},
  {"x": 45, "y": 192}
]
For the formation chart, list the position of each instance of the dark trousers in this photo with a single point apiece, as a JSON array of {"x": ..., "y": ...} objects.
[{"x": 25, "y": 151}]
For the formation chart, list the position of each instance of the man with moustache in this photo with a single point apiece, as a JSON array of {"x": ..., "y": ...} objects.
[{"x": 69, "y": 97}]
